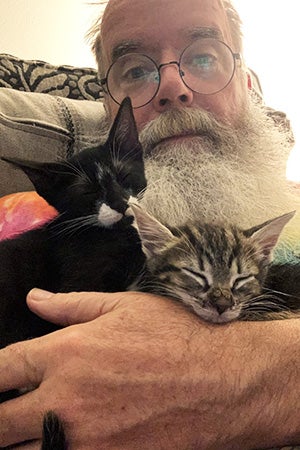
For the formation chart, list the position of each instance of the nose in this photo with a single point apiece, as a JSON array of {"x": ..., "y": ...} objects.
[
  {"x": 221, "y": 299},
  {"x": 172, "y": 92}
]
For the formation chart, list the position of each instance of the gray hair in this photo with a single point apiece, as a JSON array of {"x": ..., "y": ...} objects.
[{"x": 94, "y": 33}]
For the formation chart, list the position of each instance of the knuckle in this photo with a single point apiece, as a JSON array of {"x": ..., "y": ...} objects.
[{"x": 73, "y": 341}]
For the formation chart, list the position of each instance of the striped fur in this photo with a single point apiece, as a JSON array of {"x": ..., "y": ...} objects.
[{"x": 218, "y": 271}]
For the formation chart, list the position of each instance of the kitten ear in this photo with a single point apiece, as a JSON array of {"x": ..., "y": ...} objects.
[
  {"x": 267, "y": 234},
  {"x": 47, "y": 178},
  {"x": 123, "y": 136},
  {"x": 154, "y": 236}
]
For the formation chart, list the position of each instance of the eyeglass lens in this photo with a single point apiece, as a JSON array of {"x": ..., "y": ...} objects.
[{"x": 206, "y": 66}]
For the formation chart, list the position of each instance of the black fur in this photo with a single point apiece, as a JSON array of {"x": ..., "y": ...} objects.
[
  {"x": 69, "y": 254},
  {"x": 284, "y": 281},
  {"x": 53, "y": 433}
]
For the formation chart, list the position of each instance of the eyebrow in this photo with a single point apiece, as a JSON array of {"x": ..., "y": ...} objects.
[
  {"x": 204, "y": 32},
  {"x": 125, "y": 47},
  {"x": 131, "y": 46}
]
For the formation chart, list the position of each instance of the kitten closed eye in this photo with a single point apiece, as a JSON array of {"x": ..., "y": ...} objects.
[
  {"x": 200, "y": 277},
  {"x": 240, "y": 281}
]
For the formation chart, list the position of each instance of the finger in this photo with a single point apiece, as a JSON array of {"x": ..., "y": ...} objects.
[
  {"x": 17, "y": 365},
  {"x": 21, "y": 420},
  {"x": 71, "y": 308},
  {"x": 34, "y": 445}
]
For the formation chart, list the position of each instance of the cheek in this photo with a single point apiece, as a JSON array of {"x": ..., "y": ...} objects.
[
  {"x": 226, "y": 105},
  {"x": 111, "y": 108},
  {"x": 142, "y": 115}
]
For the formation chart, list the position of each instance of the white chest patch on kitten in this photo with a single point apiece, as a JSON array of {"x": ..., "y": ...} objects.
[{"x": 108, "y": 216}]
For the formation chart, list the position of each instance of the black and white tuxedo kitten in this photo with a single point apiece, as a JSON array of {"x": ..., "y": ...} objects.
[{"x": 90, "y": 245}]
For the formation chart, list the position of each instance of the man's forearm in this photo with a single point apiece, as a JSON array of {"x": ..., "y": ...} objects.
[{"x": 249, "y": 383}]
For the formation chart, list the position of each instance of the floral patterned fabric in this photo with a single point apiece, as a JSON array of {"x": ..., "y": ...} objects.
[{"x": 21, "y": 212}]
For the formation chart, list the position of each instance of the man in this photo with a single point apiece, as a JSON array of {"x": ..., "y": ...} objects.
[{"x": 134, "y": 370}]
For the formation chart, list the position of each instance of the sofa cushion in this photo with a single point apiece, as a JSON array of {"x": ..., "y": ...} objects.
[
  {"x": 79, "y": 83},
  {"x": 43, "y": 127}
]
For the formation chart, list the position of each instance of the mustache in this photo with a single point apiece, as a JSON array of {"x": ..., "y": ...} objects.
[{"x": 186, "y": 122}]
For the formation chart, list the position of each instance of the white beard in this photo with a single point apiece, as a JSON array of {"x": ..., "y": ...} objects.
[{"x": 219, "y": 173}]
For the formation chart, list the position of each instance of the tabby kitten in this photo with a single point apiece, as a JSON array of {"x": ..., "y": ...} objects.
[
  {"x": 221, "y": 273},
  {"x": 218, "y": 272}
]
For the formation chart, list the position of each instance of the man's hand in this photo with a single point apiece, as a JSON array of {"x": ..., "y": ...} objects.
[{"x": 137, "y": 371}]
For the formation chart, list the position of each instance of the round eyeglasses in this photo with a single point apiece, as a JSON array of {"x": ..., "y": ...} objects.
[{"x": 206, "y": 66}]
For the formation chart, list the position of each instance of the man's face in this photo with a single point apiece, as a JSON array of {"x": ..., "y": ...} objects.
[
  {"x": 203, "y": 153},
  {"x": 161, "y": 29}
]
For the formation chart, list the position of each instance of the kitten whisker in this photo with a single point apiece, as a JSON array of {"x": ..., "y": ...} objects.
[
  {"x": 285, "y": 294},
  {"x": 263, "y": 297},
  {"x": 74, "y": 226},
  {"x": 115, "y": 151},
  {"x": 79, "y": 170},
  {"x": 263, "y": 303},
  {"x": 154, "y": 286},
  {"x": 140, "y": 194}
]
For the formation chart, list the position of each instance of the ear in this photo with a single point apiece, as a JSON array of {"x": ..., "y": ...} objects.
[
  {"x": 123, "y": 136},
  {"x": 267, "y": 234},
  {"x": 154, "y": 235},
  {"x": 49, "y": 179}
]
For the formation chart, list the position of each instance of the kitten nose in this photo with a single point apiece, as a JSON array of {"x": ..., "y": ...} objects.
[
  {"x": 221, "y": 299},
  {"x": 222, "y": 305}
]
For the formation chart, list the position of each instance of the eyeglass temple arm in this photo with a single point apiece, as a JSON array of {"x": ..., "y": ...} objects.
[{"x": 238, "y": 58}]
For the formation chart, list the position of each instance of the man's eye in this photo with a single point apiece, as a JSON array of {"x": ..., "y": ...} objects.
[
  {"x": 138, "y": 73},
  {"x": 135, "y": 73},
  {"x": 204, "y": 62}
]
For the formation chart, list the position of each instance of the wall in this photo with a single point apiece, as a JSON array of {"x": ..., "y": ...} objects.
[
  {"x": 272, "y": 32},
  {"x": 53, "y": 31}
]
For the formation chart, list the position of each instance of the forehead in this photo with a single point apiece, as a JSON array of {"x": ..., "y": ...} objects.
[{"x": 160, "y": 23}]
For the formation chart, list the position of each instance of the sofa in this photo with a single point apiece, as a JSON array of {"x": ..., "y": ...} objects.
[{"x": 46, "y": 112}]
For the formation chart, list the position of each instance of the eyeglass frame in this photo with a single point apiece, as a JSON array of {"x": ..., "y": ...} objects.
[{"x": 235, "y": 56}]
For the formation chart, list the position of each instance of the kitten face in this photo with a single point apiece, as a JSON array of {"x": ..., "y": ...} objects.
[
  {"x": 217, "y": 271},
  {"x": 215, "y": 285},
  {"x": 214, "y": 297},
  {"x": 100, "y": 187}
]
